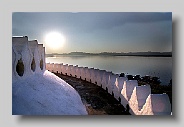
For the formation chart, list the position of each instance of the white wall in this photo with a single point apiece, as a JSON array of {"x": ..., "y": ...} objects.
[
  {"x": 139, "y": 98},
  {"x": 25, "y": 50}
]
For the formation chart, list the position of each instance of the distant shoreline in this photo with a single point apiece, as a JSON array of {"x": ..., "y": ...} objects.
[
  {"x": 143, "y": 54},
  {"x": 51, "y": 55}
]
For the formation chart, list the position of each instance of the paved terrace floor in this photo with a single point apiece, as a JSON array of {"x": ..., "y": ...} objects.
[{"x": 97, "y": 100}]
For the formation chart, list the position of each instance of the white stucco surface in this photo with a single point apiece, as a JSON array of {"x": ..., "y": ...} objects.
[{"x": 45, "y": 94}]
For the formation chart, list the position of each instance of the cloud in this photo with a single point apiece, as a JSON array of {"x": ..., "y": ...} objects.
[
  {"x": 90, "y": 22},
  {"x": 133, "y": 29},
  {"x": 86, "y": 21}
]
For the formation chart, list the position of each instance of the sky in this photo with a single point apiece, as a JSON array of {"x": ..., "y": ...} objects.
[{"x": 96, "y": 32}]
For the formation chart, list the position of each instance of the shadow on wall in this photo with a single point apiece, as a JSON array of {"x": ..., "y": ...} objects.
[
  {"x": 20, "y": 67},
  {"x": 33, "y": 65},
  {"x": 28, "y": 57},
  {"x": 137, "y": 99}
]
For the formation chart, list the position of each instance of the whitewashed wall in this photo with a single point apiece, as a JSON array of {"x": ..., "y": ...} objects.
[
  {"x": 157, "y": 104},
  {"x": 139, "y": 98},
  {"x": 35, "y": 54},
  {"x": 118, "y": 86},
  {"x": 24, "y": 51},
  {"x": 111, "y": 83}
]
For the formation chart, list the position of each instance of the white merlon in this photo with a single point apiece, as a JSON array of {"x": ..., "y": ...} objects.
[
  {"x": 41, "y": 51},
  {"x": 62, "y": 67},
  {"x": 79, "y": 72},
  {"x": 74, "y": 71},
  {"x": 56, "y": 68},
  {"x": 93, "y": 75},
  {"x": 157, "y": 104},
  {"x": 65, "y": 68},
  {"x": 19, "y": 43},
  {"x": 84, "y": 73},
  {"x": 69, "y": 70},
  {"x": 127, "y": 91},
  {"x": 138, "y": 98},
  {"x": 35, "y": 57},
  {"x": 118, "y": 86},
  {"x": 99, "y": 77},
  {"x": 88, "y": 74},
  {"x": 111, "y": 83},
  {"x": 105, "y": 79}
]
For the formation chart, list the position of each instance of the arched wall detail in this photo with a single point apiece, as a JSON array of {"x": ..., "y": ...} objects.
[{"x": 26, "y": 57}]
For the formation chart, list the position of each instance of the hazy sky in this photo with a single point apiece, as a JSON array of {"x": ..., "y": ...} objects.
[{"x": 98, "y": 31}]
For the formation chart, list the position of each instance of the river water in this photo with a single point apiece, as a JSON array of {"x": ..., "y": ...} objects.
[{"x": 153, "y": 66}]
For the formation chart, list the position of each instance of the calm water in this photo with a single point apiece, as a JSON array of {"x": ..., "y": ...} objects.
[{"x": 153, "y": 66}]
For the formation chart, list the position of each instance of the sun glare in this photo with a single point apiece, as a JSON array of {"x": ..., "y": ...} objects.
[{"x": 54, "y": 40}]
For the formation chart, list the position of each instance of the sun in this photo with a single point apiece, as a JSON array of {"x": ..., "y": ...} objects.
[{"x": 54, "y": 40}]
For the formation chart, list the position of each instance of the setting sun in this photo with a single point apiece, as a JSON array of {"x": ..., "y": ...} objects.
[{"x": 54, "y": 40}]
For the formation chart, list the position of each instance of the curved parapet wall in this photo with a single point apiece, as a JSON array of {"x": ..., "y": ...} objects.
[
  {"x": 28, "y": 57},
  {"x": 138, "y": 98}
]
